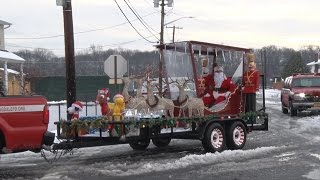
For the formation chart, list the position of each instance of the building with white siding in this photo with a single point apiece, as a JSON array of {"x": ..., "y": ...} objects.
[{"x": 8, "y": 57}]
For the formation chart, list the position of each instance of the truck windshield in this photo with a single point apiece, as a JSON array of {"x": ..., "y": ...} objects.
[{"x": 306, "y": 82}]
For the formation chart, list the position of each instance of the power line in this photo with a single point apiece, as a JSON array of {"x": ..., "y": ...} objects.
[
  {"x": 16, "y": 46},
  {"x": 81, "y": 32},
  {"x": 126, "y": 42},
  {"x": 131, "y": 23},
  {"x": 138, "y": 16},
  {"x": 28, "y": 47}
]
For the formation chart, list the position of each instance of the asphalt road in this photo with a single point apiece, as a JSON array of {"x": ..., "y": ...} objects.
[{"x": 284, "y": 152}]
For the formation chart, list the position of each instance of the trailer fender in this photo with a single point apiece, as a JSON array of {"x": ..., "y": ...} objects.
[{"x": 225, "y": 124}]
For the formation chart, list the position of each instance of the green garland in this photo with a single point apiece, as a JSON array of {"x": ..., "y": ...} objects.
[
  {"x": 103, "y": 121},
  {"x": 100, "y": 122},
  {"x": 250, "y": 117}
]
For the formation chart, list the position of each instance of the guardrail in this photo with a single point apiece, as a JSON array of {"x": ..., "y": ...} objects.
[{"x": 59, "y": 109}]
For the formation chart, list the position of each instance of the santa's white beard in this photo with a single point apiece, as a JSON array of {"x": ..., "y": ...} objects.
[{"x": 218, "y": 79}]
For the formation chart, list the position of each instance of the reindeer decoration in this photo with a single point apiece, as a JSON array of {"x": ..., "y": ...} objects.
[
  {"x": 156, "y": 102},
  {"x": 138, "y": 103},
  {"x": 139, "y": 80},
  {"x": 195, "y": 106}
]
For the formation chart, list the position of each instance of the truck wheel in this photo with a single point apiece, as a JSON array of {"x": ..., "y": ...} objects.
[
  {"x": 161, "y": 142},
  {"x": 214, "y": 138},
  {"x": 140, "y": 145},
  {"x": 236, "y": 136},
  {"x": 284, "y": 110},
  {"x": 293, "y": 112}
]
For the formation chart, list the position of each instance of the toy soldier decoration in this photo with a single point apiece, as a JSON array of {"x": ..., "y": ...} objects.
[{"x": 251, "y": 84}]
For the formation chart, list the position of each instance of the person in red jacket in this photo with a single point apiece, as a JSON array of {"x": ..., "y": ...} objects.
[
  {"x": 251, "y": 86},
  {"x": 218, "y": 88}
]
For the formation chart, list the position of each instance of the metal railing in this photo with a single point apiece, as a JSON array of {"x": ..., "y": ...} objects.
[{"x": 58, "y": 110}]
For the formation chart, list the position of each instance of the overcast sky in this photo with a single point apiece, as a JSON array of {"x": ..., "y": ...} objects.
[{"x": 246, "y": 23}]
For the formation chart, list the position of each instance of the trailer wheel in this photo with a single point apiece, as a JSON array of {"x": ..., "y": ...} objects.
[
  {"x": 214, "y": 138},
  {"x": 284, "y": 110},
  {"x": 236, "y": 136},
  {"x": 161, "y": 142},
  {"x": 140, "y": 145}
]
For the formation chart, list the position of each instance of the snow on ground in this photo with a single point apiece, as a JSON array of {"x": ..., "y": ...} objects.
[{"x": 147, "y": 166}]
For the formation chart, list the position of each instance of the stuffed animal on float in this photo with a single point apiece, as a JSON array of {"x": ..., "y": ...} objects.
[
  {"x": 118, "y": 107},
  {"x": 102, "y": 99},
  {"x": 75, "y": 109}
]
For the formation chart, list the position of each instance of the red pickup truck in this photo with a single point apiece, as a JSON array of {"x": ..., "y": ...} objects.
[
  {"x": 301, "y": 92},
  {"x": 23, "y": 123}
]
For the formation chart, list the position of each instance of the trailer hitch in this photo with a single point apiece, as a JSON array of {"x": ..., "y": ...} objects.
[{"x": 55, "y": 154}]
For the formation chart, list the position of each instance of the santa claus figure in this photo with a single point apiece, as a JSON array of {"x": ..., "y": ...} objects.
[
  {"x": 218, "y": 88},
  {"x": 102, "y": 99}
]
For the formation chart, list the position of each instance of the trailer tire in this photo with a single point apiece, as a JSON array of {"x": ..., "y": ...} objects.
[
  {"x": 1, "y": 141},
  {"x": 140, "y": 145},
  {"x": 161, "y": 142},
  {"x": 236, "y": 136},
  {"x": 284, "y": 110},
  {"x": 214, "y": 138}
]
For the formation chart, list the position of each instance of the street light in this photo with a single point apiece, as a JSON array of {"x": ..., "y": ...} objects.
[
  {"x": 175, "y": 27},
  {"x": 190, "y": 17}
]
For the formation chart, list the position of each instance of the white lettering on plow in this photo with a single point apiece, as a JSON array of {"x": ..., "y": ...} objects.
[{"x": 24, "y": 108}]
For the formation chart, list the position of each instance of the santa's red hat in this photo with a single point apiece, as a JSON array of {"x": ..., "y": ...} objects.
[{"x": 78, "y": 105}]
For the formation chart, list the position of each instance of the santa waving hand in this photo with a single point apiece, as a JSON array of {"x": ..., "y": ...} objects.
[{"x": 218, "y": 88}]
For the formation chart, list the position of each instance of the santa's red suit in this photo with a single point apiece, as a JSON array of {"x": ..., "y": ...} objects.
[{"x": 218, "y": 88}]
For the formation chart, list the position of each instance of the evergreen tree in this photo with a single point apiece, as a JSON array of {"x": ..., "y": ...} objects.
[{"x": 295, "y": 65}]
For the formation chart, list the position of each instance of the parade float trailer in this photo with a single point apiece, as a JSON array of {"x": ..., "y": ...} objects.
[{"x": 166, "y": 116}]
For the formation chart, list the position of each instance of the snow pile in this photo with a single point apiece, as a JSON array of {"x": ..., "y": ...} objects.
[
  {"x": 315, "y": 174},
  {"x": 269, "y": 94},
  {"x": 136, "y": 168},
  {"x": 309, "y": 124}
]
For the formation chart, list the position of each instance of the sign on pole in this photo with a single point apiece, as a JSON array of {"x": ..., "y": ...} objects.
[{"x": 115, "y": 67}]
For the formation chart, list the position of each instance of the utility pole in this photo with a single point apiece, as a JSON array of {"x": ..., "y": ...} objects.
[
  {"x": 174, "y": 30},
  {"x": 69, "y": 54},
  {"x": 161, "y": 49},
  {"x": 162, "y": 4}
]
